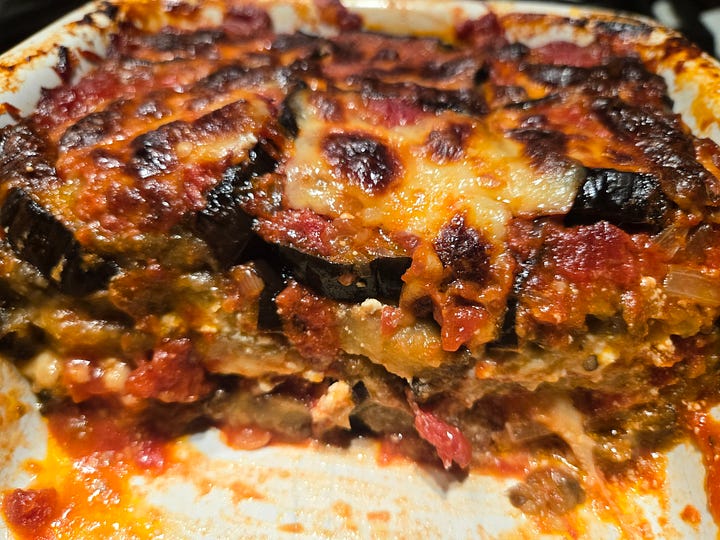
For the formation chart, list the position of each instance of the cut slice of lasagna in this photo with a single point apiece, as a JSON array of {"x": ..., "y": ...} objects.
[{"x": 472, "y": 247}]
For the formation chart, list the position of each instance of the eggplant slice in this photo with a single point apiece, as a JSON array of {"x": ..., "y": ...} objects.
[
  {"x": 623, "y": 198},
  {"x": 223, "y": 224},
  {"x": 344, "y": 282},
  {"x": 39, "y": 238}
]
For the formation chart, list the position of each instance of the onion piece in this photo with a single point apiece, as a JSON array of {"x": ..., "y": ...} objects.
[
  {"x": 525, "y": 431},
  {"x": 247, "y": 280},
  {"x": 671, "y": 239},
  {"x": 693, "y": 284}
]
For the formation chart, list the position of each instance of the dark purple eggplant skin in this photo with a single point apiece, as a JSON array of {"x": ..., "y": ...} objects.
[
  {"x": 323, "y": 276},
  {"x": 387, "y": 273},
  {"x": 39, "y": 238},
  {"x": 287, "y": 116},
  {"x": 287, "y": 120},
  {"x": 353, "y": 283},
  {"x": 508, "y": 336},
  {"x": 223, "y": 224},
  {"x": 623, "y": 198},
  {"x": 34, "y": 234},
  {"x": 469, "y": 101},
  {"x": 85, "y": 273},
  {"x": 268, "y": 318}
]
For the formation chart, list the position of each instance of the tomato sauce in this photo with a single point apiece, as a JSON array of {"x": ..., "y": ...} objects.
[
  {"x": 91, "y": 493},
  {"x": 705, "y": 431}
]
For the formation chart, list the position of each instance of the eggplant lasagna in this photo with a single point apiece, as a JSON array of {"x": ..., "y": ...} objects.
[{"x": 472, "y": 247}]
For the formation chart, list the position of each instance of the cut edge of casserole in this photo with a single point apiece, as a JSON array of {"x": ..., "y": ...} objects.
[{"x": 477, "y": 248}]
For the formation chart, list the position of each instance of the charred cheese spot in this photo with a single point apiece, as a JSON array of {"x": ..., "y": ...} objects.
[
  {"x": 448, "y": 144},
  {"x": 362, "y": 160},
  {"x": 463, "y": 249},
  {"x": 545, "y": 148},
  {"x": 90, "y": 130}
]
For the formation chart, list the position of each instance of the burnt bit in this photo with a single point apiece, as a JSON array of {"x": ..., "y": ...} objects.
[
  {"x": 223, "y": 224},
  {"x": 234, "y": 77},
  {"x": 557, "y": 75},
  {"x": 224, "y": 79},
  {"x": 544, "y": 147},
  {"x": 328, "y": 106},
  {"x": 624, "y": 198},
  {"x": 184, "y": 44},
  {"x": 606, "y": 80},
  {"x": 153, "y": 108},
  {"x": 463, "y": 249},
  {"x": 155, "y": 153},
  {"x": 308, "y": 47},
  {"x": 287, "y": 116},
  {"x": 528, "y": 104},
  {"x": 363, "y": 160},
  {"x": 468, "y": 101},
  {"x": 90, "y": 129},
  {"x": 631, "y": 29},
  {"x": 38, "y": 238},
  {"x": 508, "y": 94},
  {"x": 448, "y": 144},
  {"x": 449, "y": 69},
  {"x": 464, "y": 101},
  {"x": 65, "y": 66},
  {"x": 513, "y": 52},
  {"x": 25, "y": 157}
]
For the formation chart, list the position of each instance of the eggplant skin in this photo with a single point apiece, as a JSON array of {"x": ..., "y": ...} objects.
[
  {"x": 623, "y": 198},
  {"x": 37, "y": 237},
  {"x": 223, "y": 224},
  {"x": 387, "y": 273},
  {"x": 85, "y": 273},
  {"x": 380, "y": 278},
  {"x": 268, "y": 318},
  {"x": 287, "y": 119}
]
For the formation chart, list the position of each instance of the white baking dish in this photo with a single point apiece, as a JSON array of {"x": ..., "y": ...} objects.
[{"x": 318, "y": 491}]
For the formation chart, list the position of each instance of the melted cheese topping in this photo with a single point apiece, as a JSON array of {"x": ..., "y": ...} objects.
[{"x": 491, "y": 181}]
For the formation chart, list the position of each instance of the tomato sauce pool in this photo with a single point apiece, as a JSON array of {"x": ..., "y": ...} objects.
[{"x": 84, "y": 483}]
